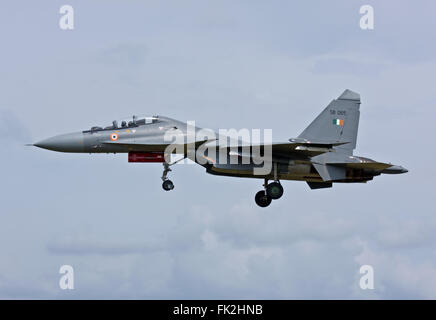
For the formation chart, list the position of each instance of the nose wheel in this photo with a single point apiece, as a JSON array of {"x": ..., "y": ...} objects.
[{"x": 168, "y": 185}]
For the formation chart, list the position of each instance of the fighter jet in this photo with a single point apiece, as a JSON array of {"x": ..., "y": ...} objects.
[{"x": 321, "y": 155}]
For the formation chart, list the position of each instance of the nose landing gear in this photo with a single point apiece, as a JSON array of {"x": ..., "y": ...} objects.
[{"x": 167, "y": 184}]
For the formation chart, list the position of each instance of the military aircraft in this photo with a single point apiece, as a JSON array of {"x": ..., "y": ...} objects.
[{"x": 321, "y": 155}]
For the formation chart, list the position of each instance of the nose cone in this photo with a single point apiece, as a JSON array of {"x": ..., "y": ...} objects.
[
  {"x": 70, "y": 142},
  {"x": 395, "y": 170}
]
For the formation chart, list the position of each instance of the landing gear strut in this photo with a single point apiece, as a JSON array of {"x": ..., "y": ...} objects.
[
  {"x": 273, "y": 191},
  {"x": 167, "y": 184}
]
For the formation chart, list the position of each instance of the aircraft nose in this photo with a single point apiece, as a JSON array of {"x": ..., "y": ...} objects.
[{"x": 70, "y": 142}]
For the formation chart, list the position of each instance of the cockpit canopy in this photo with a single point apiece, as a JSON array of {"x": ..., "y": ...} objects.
[{"x": 134, "y": 121}]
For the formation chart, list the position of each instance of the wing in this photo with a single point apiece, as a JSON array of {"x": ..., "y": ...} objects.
[
  {"x": 282, "y": 151},
  {"x": 334, "y": 170}
]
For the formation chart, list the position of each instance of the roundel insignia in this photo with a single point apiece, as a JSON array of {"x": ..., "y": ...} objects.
[{"x": 114, "y": 137}]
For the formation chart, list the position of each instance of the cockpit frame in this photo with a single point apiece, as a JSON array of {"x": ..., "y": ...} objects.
[{"x": 133, "y": 122}]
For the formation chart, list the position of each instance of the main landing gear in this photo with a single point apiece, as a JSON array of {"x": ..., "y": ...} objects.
[{"x": 273, "y": 191}]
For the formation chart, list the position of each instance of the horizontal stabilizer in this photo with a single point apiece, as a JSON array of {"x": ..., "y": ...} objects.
[
  {"x": 317, "y": 143},
  {"x": 375, "y": 166},
  {"x": 350, "y": 162}
]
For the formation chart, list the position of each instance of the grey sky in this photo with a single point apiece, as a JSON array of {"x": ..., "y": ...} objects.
[{"x": 224, "y": 64}]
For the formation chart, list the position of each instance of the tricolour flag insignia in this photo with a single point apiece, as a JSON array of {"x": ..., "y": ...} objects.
[{"x": 338, "y": 122}]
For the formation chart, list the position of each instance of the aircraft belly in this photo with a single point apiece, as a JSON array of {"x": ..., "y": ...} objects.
[{"x": 284, "y": 172}]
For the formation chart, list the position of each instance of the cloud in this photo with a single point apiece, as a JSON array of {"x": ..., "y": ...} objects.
[
  {"x": 233, "y": 251},
  {"x": 125, "y": 55},
  {"x": 347, "y": 67},
  {"x": 12, "y": 129},
  {"x": 397, "y": 276},
  {"x": 265, "y": 65},
  {"x": 82, "y": 247}
]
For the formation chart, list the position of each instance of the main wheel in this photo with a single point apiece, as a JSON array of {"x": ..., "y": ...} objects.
[
  {"x": 274, "y": 190},
  {"x": 262, "y": 199},
  {"x": 168, "y": 185}
]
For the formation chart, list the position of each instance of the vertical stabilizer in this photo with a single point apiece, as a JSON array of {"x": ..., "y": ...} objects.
[{"x": 338, "y": 122}]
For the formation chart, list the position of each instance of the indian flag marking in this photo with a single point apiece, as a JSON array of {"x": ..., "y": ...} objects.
[{"x": 338, "y": 122}]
